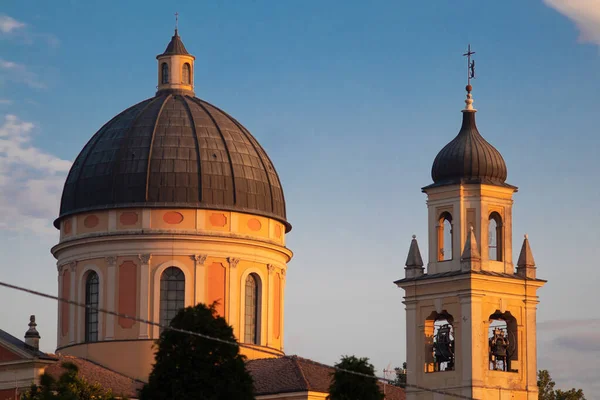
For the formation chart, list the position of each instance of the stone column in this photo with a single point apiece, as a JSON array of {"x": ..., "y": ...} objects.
[
  {"x": 232, "y": 309},
  {"x": 111, "y": 287},
  {"x": 199, "y": 278},
  {"x": 73, "y": 267},
  {"x": 144, "y": 299}
]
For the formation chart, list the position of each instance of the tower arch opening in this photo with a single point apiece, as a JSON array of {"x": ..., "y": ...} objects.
[
  {"x": 186, "y": 74},
  {"x": 495, "y": 237},
  {"x": 503, "y": 342},
  {"x": 164, "y": 73},
  {"x": 439, "y": 342},
  {"x": 445, "y": 239}
]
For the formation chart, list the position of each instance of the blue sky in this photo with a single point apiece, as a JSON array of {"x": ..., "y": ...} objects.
[{"x": 352, "y": 101}]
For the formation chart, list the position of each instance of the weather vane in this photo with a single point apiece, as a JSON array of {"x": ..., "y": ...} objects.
[
  {"x": 470, "y": 65},
  {"x": 176, "y": 21}
]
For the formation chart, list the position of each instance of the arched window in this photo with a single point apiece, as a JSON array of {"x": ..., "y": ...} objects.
[
  {"x": 252, "y": 310},
  {"x": 164, "y": 73},
  {"x": 495, "y": 237},
  {"x": 92, "y": 293},
  {"x": 172, "y": 294},
  {"x": 186, "y": 74},
  {"x": 445, "y": 237}
]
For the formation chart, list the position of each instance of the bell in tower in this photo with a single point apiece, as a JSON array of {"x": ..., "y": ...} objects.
[{"x": 470, "y": 316}]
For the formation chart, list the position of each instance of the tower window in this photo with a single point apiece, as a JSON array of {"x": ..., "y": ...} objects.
[
  {"x": 92, "y": 293},
  {"x": 164, "y": 73},
  {"x": 439, "y": 342},
  {"x": 252, "y": 310},
  {"x": 445, "y": 239},
  {"x": 186, "y": 74},
  {"x": 172, "y": 294},
  {"x": 503, "y": 345},
  {"x": 495, "y": 237}
]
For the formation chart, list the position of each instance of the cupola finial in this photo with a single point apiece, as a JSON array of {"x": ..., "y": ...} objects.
[{"x": 176, "y": 23}]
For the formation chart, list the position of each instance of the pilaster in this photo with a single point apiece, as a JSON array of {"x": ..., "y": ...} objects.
[
  {"x": 234, "y": 291},
  {"x": 73, "y": 268},
  {"x": 144, "y": 297},
  {"x": 200, "y": 278},
  {"x": 270, "y": 299},
  {"x": 111, "y": 286}
]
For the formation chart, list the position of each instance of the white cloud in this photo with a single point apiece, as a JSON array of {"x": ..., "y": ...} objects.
[
  {"x": 9, "y": 24},
  {"x": 585, "y": 14},
  {"x": 5, "y": 102},
  {"x": 20, "y": 73},
  {"x": 31, "y": 180},
  {"x": 10, "y": 27}
]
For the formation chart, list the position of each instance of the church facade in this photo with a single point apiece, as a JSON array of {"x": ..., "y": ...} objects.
[{"x": 471, "y": 316}]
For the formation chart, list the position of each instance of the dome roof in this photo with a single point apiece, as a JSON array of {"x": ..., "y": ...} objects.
[
  {"x": 174, "y": 150},
  {"x": 468, "y": 158}
]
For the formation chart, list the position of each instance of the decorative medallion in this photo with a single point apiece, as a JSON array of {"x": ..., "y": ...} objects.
[
  {"x": 91, "y": 221},
  {"x": 173, "y": 217},
  {"x": 254, "y": 224},
  {"x": 128, "y": 218},
  {"x": 218, "y": 220}
]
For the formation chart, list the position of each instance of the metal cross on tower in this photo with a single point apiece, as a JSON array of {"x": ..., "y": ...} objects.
[
  {"x": 470, "y": 65},
  {"x": 176, "y": 21}
]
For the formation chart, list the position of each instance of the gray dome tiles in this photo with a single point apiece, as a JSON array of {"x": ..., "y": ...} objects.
[
  {"x": 469, "y": 158},
  {"x": 173, "y": 151}
]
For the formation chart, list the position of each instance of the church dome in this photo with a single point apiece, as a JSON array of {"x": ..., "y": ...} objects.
[
  {"x": 174, "y": 150},
  {"x": 469, "y": 158}
]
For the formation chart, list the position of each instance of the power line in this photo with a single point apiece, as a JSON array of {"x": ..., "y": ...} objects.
[{"x": 228, "y": 342}]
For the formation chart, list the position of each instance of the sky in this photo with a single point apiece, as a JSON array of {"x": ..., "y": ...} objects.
[{"x": 352, "y": 101}]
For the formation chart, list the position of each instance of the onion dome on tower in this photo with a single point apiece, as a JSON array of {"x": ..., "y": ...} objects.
[{"x": 469, "y": 158}]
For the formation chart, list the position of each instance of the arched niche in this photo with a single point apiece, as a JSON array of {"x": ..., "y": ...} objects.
[{"x": 503, "y": 342}]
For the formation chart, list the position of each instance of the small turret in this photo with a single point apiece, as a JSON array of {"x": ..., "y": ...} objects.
[
  {"x": 32, "y": 336},
  {"x": 176, "y": 68},
  {"x": 414, "y": 261},
  {"x": 526, "y": 263},
  {"x": 470, "y": 259}
]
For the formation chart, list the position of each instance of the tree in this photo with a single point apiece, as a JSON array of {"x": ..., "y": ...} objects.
[
  {"x": 545, "y": 386},
  {"x": 69, "y": 386},
  {"x": 547, "y": 392},
  {"x": 400, "y": 376},
  {"x": 192, "y": 367},
  {"x": 348, "y": 386}
]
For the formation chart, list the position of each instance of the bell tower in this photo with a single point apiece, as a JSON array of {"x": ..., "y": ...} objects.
[{"x": 470, "y": 316}]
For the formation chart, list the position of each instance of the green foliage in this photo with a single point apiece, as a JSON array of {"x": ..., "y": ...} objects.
[
  {"x": 347, "y": 386},
  {"x": 400, "y": 376},
  {"x": 547, "y": 392},
  {"x": 191, "y": 367},
  {"x": 69, "y": 386}
]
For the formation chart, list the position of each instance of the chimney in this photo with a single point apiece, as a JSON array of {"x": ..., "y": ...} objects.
[{"x": 32, "y": 336}]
